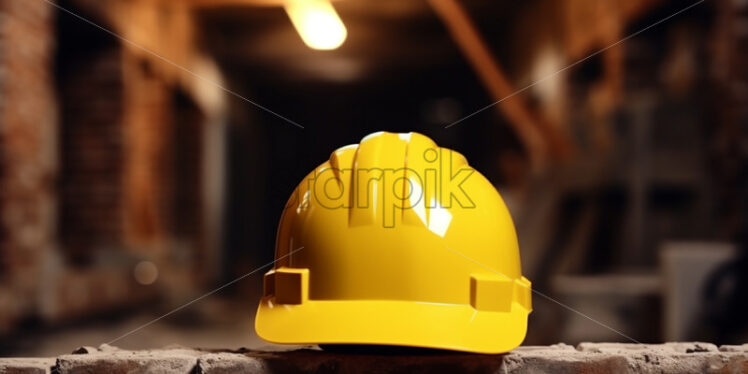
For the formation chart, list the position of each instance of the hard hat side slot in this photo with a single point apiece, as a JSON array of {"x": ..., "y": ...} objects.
[
  {"x": 268, "y": 283},
  {"x": 291, "y": 285},
  {"x": 491, "y": 292}
]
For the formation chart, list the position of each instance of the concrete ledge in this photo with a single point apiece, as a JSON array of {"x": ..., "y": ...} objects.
[
  {"x": 26, "y": 365},
  {"x": 560, "y": 358},
  {"x": 108, "y": 359}
]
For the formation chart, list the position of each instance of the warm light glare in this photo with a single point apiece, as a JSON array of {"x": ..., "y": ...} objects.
[{"x": 317, "y": 23}]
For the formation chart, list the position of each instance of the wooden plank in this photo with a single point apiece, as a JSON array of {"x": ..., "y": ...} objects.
[{"x": 537, "y": 135}]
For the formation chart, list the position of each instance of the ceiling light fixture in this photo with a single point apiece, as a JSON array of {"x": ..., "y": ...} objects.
[{"x": 317, "y": 23}]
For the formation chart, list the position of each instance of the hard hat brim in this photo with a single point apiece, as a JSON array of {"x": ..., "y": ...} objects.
[{"x": 389, "y": 322}]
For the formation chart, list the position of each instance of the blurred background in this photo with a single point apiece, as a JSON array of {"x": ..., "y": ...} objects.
[{"x": 136, "y": 175}]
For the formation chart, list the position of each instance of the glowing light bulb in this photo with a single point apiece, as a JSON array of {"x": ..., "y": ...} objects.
[{"x": 317, "y": 23}]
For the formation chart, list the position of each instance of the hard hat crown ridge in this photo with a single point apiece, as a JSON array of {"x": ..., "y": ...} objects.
[{"x": 403, "y": 244}]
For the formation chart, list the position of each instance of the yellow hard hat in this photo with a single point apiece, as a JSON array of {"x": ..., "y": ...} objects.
[{"x": 395, "y": 241}]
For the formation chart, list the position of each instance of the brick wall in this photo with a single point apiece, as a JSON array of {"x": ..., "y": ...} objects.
[
  {"x": 27, "y": 150},
  {"x": 100, "y": 163},
  {"x": 89, "y": 86}
]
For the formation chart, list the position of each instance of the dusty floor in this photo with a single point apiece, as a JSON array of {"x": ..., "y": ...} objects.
[{"x": 213, "y": 323}]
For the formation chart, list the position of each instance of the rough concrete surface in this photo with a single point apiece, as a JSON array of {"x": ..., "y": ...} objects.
[
  {"x": 559, "y": 358},
  {"x": 26, "y": 365}
]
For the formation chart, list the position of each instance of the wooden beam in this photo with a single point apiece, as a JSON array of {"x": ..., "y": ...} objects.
[
  {"x": 218, "y": 3},
  {"x": 538, "y": 136}
]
